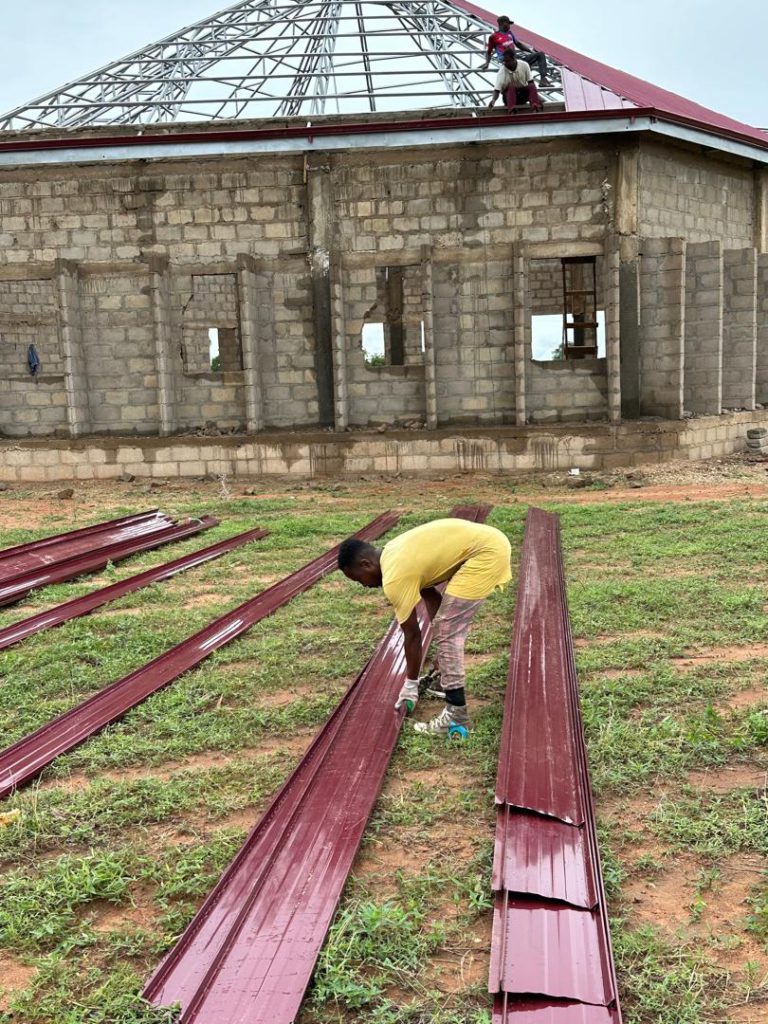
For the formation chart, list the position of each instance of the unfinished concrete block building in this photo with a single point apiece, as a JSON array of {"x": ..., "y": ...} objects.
[{"x": 290, "y": 224}]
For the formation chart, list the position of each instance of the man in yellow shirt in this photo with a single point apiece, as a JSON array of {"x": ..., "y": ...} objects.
[{"x": 474, "y": 560}]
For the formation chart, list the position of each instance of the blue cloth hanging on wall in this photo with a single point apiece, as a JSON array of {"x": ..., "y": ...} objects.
[{"x": 33, "y": 361}]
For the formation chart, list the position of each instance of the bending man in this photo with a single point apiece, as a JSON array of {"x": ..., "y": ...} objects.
[{"x": 474, "y": 559}]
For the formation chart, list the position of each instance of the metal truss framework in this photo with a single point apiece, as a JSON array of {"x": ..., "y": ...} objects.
[{"x": 286, "y": 58}]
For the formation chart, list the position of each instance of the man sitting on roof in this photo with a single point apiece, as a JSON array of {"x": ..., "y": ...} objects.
[
  {"x": 505, "y": 39},
  {"x": 515, "y": 83}
]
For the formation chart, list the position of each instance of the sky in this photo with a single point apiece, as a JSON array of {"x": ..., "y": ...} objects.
[{"x": 698, "y": 48}]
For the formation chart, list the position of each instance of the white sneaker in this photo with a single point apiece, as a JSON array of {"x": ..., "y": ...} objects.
[{"x": 452, "y": 722}]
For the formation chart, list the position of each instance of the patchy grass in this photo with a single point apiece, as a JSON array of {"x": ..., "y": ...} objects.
[{"x": 120, "y": 841}]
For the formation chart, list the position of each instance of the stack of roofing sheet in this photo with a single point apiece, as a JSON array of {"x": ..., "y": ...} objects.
[
  {"x": 56, "y": 559},
  {"x": 25, "y": 759},
  {"x": 551, "y": 958},
  {"x": 248, "y": 955}
]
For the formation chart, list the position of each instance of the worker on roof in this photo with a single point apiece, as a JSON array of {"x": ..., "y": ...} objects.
[
  {"x": 515, "y": 83},
  {"x": 474, "y": 560},
  {"x": 505, "y": 39}
]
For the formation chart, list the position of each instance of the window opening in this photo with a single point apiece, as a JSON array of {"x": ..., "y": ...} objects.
[
  {"x": 580, "y": 314},
  {"x": 373, "y": 345},
  {"x": 215, "y": 357}
]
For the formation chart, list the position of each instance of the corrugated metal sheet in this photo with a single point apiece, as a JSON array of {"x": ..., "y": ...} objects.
[
  {"x": 17, "y": 587},
  {"x": 581, "y": 94},
  {"x": 62, "y": 613},
  {"x": 37, "y": 554},
  {"x": 543, "y": 1011},
  {"x": 538, "y": 745},
  {"x": 547, "y": 954},
  {"x": 543, "y": 857},
  {"x": 27, "y": 758},
  {"x": 628, "y": 87},
  {"x": 551, "y": 950},
  {"x": 249, "y": 954}
]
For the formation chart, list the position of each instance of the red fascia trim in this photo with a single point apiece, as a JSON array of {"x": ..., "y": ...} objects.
[
  {"x": 25, "y": 759},
  {"x": 372, "y": 128},
  {"x": 80, "y": 606},
  {"x": 17, "y": 587}
]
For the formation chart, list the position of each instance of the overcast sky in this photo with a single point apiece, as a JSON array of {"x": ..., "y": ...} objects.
[{"x": 679, "y": 44}]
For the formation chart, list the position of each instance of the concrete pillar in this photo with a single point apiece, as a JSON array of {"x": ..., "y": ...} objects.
[
  {"x": 761, "y": 209},
  {"x": 339, "y": 335},
  {"x": 70, "y": 329},
  {"x": 430, "y": 365},
  {"x": 739, "y": 328},
  {"x": 166, "y": 365},
  {"x": 612, "y": 331},
  {"x": 703, "y": 378},
  {"x": 248, "y": 291},
  {"x": 320, "y": 206},
  {"x": 761, "y": 385},
  {"x": 662, "y": 327},
  {"x": 522, "y": 330},
  {"x": 627, "y": 229}
]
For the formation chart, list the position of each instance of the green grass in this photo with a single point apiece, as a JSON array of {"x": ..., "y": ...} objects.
[{"x": 139, "y": 820}]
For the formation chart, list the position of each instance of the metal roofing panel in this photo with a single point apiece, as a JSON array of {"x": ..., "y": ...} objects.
[
  {"x": 17, "y": 587},
  {"x": 635, "y": 90},
  {"x": 510, "y": 1010},
  {"x": 37, "y": 554},
  {"x": 249, "y": 954},
  {"x": 543, "y": 857},
  {"x": 539, "y": 755},
  {"x": 26, "y": 759},
  {"x": 581, "y": 94},
  {"x": 550, "y": 950},
  {"x": 62, "y": 613}
]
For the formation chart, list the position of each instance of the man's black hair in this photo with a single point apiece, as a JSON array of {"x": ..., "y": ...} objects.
[
  {"x": 504, "y": 17},
  {"x": 351, "y": 551}
]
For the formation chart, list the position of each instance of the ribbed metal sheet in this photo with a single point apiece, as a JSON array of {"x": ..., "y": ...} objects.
[
  {"x": 508, "y": 1010},
  {"x": 581, "y": 94},
  {"x": 27, "y": 758},
  {"x": 90, "y": 602},
  {"x": 249, "y": 954},
  {"x": 97, "y": 557},
  {"x": 538, "y": 746},
  {"x": 550, "y": 950},
  {"x": 37, "y": 554},
  {"x": 543, "y": 857}
]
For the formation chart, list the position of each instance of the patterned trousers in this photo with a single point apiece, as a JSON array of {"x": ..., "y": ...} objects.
[{"x": 453, "y": 622}]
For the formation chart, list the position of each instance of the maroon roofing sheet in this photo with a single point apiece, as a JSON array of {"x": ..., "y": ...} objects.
[
  {"x": 538, "y": 744},
  {"x": 25, "y": 557},
  {"x": 511, "y": 1010},
  {"x": 555, "y": 948},
  {"x": 643, "y": 94},
  {"x": 551, "y": 950},
  {"x": 249, "y": 954},
  {"x": 27, "y": 758},
  {"x": 89, "y": 602},
  {"x": 17, "y": 587},
  {"x": 543, "y": 857}
]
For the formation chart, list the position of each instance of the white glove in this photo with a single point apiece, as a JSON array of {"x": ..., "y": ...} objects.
[{"x": 409, "y": 693}]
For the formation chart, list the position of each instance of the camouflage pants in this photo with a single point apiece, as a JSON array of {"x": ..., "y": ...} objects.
[{"x": 453, "y": 622}]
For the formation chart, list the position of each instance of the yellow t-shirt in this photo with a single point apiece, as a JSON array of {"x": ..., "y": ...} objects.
[{"x": 474, "y": 557}]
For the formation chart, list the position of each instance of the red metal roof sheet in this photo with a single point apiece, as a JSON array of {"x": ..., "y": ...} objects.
[
  {"x": 538, "y": 747},
  {"x": 37, "y": 554},
  {"x": 511, "y": 1010},
  {"x": 633, "y": 90},
  {"x": 551, "y": 950},
  {"x": 26, "y": 759},
  {"x": 62, "y": 613},
  {"x": 17, "y": 587},
  {"x": 543, "y": 857},
  {"x": 248, "y": 955}
]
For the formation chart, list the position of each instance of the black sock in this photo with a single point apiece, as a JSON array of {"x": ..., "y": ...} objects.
[{"x": 456, "y": 697}]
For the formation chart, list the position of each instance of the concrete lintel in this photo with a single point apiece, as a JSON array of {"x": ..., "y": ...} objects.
[
  {"x": 558, "y": 250},
  {"x": 28, "y": 272}
]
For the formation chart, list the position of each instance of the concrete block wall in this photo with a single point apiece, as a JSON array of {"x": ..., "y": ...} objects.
[
  {"x": 739, "y": 328},
  {"x": 761, "y": 374},
  {"x": 213, "y": 303},
  {"x": 703, "y": 328},
  {"x": 662, "y": 327},
  {"x": 697, "y": 197},
  {"x": 567, "y": 391}
]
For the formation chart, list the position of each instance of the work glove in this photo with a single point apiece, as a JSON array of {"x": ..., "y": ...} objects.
[{"x": 408, "y": 696}]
